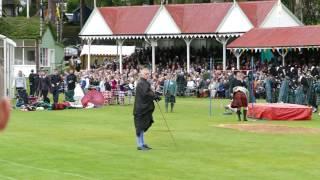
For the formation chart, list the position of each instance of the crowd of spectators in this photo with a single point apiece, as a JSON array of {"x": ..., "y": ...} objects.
[{"x": 203, "y": 80}]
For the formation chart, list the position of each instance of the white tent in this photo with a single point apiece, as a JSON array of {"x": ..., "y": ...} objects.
[
  {"x": 106, "y": 50},
  {"x": 7, "y": 55}
]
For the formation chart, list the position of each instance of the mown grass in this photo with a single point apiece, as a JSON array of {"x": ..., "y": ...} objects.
[{"x": 100, "y": 144}]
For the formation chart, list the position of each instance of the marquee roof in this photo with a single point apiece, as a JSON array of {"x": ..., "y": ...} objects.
[
  {"x": 184, "y": 20},
  {"x": 285, "y": 37}
]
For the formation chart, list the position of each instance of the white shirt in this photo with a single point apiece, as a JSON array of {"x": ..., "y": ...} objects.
[
  {"x": 191, "y": 84},
  {"x": 20, "y": 82},
  {"x": 102, "y": 87}
]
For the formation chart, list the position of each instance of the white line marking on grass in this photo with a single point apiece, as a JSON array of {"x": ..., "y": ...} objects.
[
  {"x": 44, "y": 169},
  {"x": 7, "y": 177}
]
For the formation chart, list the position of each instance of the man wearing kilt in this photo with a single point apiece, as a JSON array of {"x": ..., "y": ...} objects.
[
  {"x": 170, "y": 91},
  {"x": 240, "y": 96}
]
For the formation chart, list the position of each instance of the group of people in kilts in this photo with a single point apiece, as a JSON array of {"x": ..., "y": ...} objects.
[
  {"x": 282, "y": 85},
  {"x": 291, "y": 85}
]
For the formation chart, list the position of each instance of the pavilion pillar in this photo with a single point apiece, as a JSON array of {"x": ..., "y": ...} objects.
[
  {"x": 238, "y": 54},
  {"x": 153, "y": 46},
  {"x": 224, "y": 41},
  {"x": 28, "y": 13},
  {"x": 0, "y": 8},
  {"x": 5, "y": 68},
  {"x": 188, "y": 43},
  {"x": 283, "y": 53},
  {"x": 89, "y": 42},
  {"x": 120, "y": 43}
]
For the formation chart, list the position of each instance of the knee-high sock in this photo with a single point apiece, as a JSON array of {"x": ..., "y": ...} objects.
[
  {"x": 167, "y": 106},
  {"x": 140, "y": 139},
  {"x": 172, "y": 105}
]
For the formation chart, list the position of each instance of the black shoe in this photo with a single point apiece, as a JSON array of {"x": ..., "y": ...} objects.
[
  {"x": 142, "y": 148},
  {"x": 146, "y": 146},
  {"x": 245, "y": 115},
  {"x": 239, "y": 115}
]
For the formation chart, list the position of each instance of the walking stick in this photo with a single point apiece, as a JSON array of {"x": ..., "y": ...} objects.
[{"x": 164, "y": 119}]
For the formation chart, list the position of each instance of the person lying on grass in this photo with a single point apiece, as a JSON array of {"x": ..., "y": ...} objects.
[{"x": 4, "y": 112}]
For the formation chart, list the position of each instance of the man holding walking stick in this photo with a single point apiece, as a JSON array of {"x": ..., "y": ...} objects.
[{"x": 143, "y": 108}]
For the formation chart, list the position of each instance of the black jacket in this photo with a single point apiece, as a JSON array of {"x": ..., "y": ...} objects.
[
  {"x": 44, "y": 83},
  {"x": 71, "y": 81},
  {"x": 143, "y": 106},
  {"x": 34, "y": 80},
  {"x": 55, "y": 81}
]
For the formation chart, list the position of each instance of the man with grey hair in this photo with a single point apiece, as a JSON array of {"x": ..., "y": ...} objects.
[{"x": 143, "y": 108}]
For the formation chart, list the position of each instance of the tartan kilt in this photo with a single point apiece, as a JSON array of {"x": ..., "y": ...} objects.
[
  {"x": 69, "y": 95},
  {"x": 239, "y": 100},
  {"x": 107, "y": 95},
  {"x": 114, "y": 92},
  {"x": 318, "y": 99},
  {"x": 121, "y": 97},
  {"x": 170, "y": 99}
]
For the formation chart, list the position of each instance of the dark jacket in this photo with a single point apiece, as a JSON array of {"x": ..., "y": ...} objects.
[
  {"x": 71, "y": 81},
  {"x": 31, "y": 79},
  {"x": 143, "y": 106},
  {"x": 236, "y": 83},
  {"x": 55, "y": 81},
  {"x": 44, "y": 84}
]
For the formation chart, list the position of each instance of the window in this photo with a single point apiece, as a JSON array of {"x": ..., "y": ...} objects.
[
  {"x": 51, "y": 56},
  {"x": 29, "y": 56},
  {"x": 19, "y": 42},
  {"x": 1, "y": 53},
  {"x": 29, "y": 43},
  {"x": 43, "y": 57},
  {"x": 18, "y": 60}
]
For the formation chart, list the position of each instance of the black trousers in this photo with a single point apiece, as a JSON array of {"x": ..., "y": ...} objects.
[
  {"x": 44, "y": 94},
  {"x": 55, "y": 93},
  {"x": 32, "y": 90}
]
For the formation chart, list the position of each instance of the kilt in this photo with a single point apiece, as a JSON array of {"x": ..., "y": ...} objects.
[
  {"x": 114, "y": 92},
  {"x": 69, "y": 95},
  {"x": 170, "y": 99},
  {"x": 239, "y": 100},
  {"x": 107, "y": 97},
  {"x": 318, "y": 99},
  {"x": 121, "y": 97},
  {"x": 114, "y": 96}
]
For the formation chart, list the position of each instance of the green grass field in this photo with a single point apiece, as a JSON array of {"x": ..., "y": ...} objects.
[{"x": 100, "y": 144}]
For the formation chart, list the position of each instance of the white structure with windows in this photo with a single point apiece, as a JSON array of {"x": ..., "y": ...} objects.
[
  {"x": 7, "y": 54},
  {"x": 25, "y": 57},
  {"x": 47, "y": 56}
]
